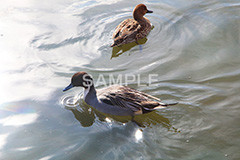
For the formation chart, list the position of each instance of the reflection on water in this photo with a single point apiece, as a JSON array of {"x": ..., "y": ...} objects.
[
  {"x": 118, "y": 50},
  {"x": 139, "y": 135},
  {"x": 193, "y": 48},
  {"x": 123, "y": 48},
  {"x": 19, "y": 120},
  {"x": 84, "y": 115},
  {"x": 87, "y": 115},
  {"x": 3, "y": 140}
]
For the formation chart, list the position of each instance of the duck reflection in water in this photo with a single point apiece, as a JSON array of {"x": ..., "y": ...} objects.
[
  {"x": 87, "y": 115},
  {"x": 117, "y": 51}
]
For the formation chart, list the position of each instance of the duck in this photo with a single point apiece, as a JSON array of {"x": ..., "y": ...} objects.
[
  {"x": 131, "y": 30},
  {"x": 115, "y": 99}
]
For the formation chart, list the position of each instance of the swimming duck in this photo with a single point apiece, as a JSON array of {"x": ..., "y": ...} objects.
[
  {"x": 131, "y": 30},
  {"x": 115, "y": 99}
]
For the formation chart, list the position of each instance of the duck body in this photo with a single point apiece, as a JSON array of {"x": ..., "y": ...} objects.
[
  {"x": 115, "y": 99},
  {"x": 102, "y": 102},
  {"x": 131, "y": 30}
]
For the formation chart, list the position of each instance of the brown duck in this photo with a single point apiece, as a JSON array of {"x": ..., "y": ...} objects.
[{"x": 131, "y": 30}]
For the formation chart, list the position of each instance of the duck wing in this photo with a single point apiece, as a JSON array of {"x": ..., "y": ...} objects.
[
  {"x": 127, "y": 29},
  {"x": 129, "y": 98}
]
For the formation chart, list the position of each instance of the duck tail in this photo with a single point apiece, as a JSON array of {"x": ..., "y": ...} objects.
[
  {"x": 113, "y": 45},
  {"x": 164, "y": 105},
  {"x": 117, "y": 42},
  {"x": 167, "y": 104}
]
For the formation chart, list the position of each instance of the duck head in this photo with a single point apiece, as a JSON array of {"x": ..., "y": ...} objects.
[
  {"x": 80, "y": 79},
  {"x": 139, "y": 11}
]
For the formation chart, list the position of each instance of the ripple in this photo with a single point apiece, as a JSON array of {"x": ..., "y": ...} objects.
[
  {"x": 70, "y": 101},
  {"x": 193, "y": 47},
  {"x": 91, "y": 40}
]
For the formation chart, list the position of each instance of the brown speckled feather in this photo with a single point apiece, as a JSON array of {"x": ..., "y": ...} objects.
[
  {"x": 125, "y": 28},
  {"x": 130, "y": 30}
]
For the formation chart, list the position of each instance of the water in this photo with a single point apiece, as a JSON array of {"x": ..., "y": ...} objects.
[{"x": 193, "y": 49}]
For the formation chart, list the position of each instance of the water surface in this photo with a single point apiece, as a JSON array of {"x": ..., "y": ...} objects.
[{"x": 193, "y": 49}]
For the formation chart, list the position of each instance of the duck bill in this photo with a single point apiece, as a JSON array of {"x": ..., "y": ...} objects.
[
  {"x": 148, "y": 11},
  {"x": 68, "y": 87}
]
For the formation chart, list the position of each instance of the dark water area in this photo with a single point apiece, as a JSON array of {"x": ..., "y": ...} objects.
[{"x": 192, "y": 56}]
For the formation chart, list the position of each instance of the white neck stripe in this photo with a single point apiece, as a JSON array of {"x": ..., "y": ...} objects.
[{"x": 85, "y": 92}]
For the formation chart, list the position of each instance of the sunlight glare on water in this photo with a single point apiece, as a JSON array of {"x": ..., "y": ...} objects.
[
  {"x": 192, "y": 49},
  {"x": 19, "y": 120},
  {"x": 138, "y": 135}
]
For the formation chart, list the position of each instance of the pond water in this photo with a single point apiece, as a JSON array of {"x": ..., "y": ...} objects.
[{"x": 192, "y": 54}]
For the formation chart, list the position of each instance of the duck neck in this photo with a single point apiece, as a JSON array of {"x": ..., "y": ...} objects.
[
  {"x": 89, "y": 94},
  {"x": 141, "y": 20}
]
